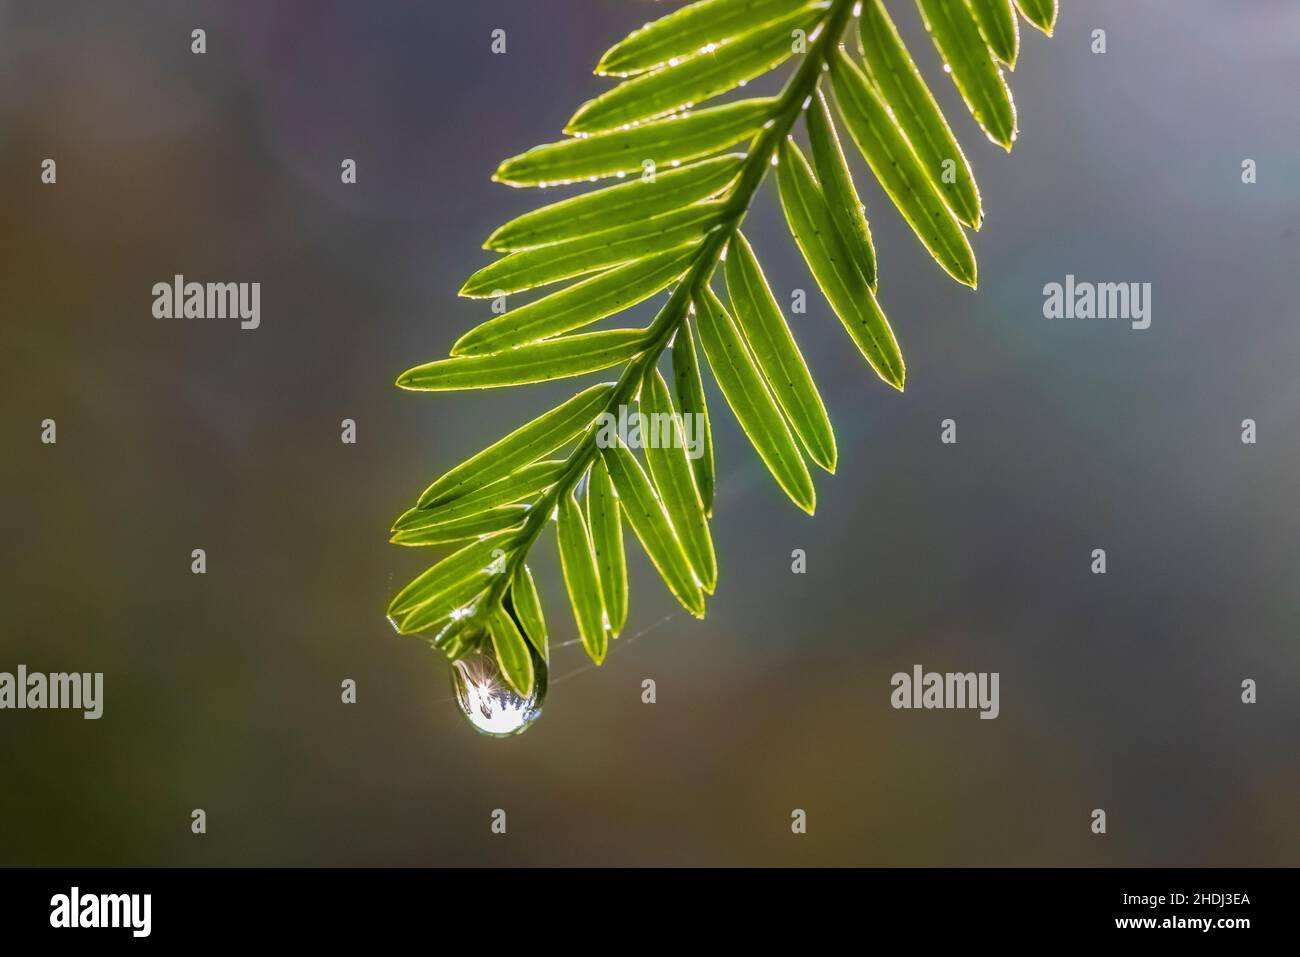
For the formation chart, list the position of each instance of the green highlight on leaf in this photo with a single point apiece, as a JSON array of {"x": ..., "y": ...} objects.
[
  {"x": 538, "y": 362},
  {"x": 768, "y": 337},
  {"x": 670, "y": 470},
  {"x": 688, "y": 31},
  {"x": 890, "y": 156},
  {"x": 656, "y": 145},
  {"x": 527, "y": 606},
  {"x": 604, "y": 520},
  {"x": 958, "y": 39},
  {"x": 521, "y": 447},
  {"x": 689, "y": 387},
  {"x": 511, "y": 651},
  {"x": 848, "y": 293},
  {"x": 914, "y": 110},
  {"x": 1040, "y": 13},
  {"x": 444, "y": 585},
  {"x": 581, "y": 304},
  {"x": 530, "y": 268},
  {"x": 581, "y": 578},
  {"x": 652, "y": 526},
  {"x": 519, "y": 486},
  {"x": 837, "y": 184},
  {"x": 456, "y": 530},
  {"x": 743, "y": 387},
  {"x": 694, "y": 80},
  {"x": 997, "y": 24},
  {"x": 620, "y": 205}
]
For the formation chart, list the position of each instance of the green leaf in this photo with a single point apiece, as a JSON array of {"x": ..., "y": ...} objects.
[
  {"x": 528, "y": 609},
  {"x": 515, "y": 487},
  {"x": 617, "y": 205},
  {"x": 693, "y": 80},
  {"x": 581, "y": 578},
  {"x": 997, "y": 23},
  {"x": 745, "y": 391},
  {"x": 651, "y": 524},
  {"x": 441, "y": 585},
  {"x": 680, "y": 138},
  {"x": 1040, "y": 13},
  {"x": 606, "y": 527},
  {"x": 493, "y": 520},
  {"x": 686, "y": 32},
  {"x": 837, "y": 183},
  {"x": 899, "y": 171},
  {"x": 690, "y": 398},
  {"x": 521, "y": 447},
  {"x": 957, "y": 37},
  {"x": 915, "y": 111},
  {"x": 664, "y": 438},
  {"x": 529, "y": 268},
  {"x": 849, "y": 295},
  {"x": 453, "y": 636},
  {"x": 511, "y": 651},
  {"x": 773, "y": 347},
  {"x": 538, "y": 362},
  {"x": 438, "y": 617},
  {"x": 579, "y": 305}
]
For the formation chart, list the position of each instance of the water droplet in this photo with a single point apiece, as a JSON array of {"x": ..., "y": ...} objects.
[{"x": 487, "y": 700}]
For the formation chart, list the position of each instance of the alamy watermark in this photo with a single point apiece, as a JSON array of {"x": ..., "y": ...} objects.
[
  {"x": 80, "y": 691},
  {"x": 1128, "y": 301},
  {"x": 952, "y": 690},
  {"x": 179, "y": 299},
  {"x": 130, "y": 911},
  {"x": 659, "y": 430}
]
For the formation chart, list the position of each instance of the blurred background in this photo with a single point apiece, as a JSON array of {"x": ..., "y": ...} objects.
[{"x": 222, "y": 691}]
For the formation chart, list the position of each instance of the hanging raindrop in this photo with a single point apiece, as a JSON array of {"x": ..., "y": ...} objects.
[{"x": 487, "y": 700}]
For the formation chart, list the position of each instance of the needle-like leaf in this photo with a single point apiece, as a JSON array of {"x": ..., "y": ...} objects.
[
  {"x": 521, "y": 447},
  {"x": 1040, "y": 13},
  {"x": 511, "y": 651},
  {"x": 528, "y": 609},
  {"x": 530, "y": 268},
  {"x": 694, "y": 80},
  {"x": 618, "y": 205},
  {"x": 690, "y": 399},
  {"x": 674, "y": 139},
  {"x": 579, "y": 305},
  {"x": 664, "y": 439},
  {"x": 773, "y": 348},
  {"x": 848, "y": 293},
  {"x": 686, "y": 32},
  {"x": 474, "y": 564},
  {"x": 606, "y": 525},
  {"x": 743, "y": 387},
  {"x": 837, "y": 184},
  {"x": 538, "y": 362},
  {"x": 957, "y": 37},
  {"x": 581, "y": 578},
  {"x": 896, "y": 166},
  {"x": 650, "y": 522},
  {"x": 997, "y": 23},
  {"x": 520, "y": 485},
  {"x": 459, "y": 529},
  {"x": 913, "y": 108}
]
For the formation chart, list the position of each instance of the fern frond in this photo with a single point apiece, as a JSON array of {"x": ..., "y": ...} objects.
[{"x": 670, "y": 227}]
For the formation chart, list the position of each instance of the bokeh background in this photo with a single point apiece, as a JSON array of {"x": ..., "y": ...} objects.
[{"x": 1119, "y": 692}]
